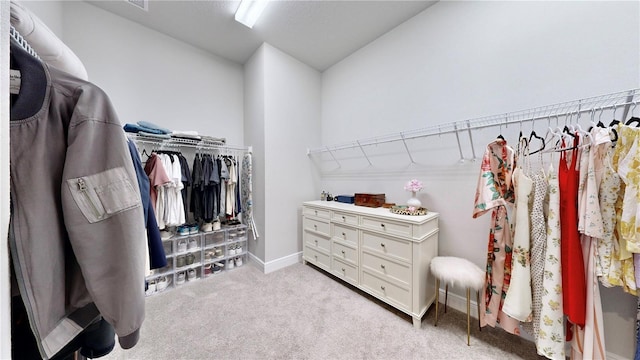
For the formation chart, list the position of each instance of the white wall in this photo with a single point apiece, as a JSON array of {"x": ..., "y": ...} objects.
[
  {"x": 254, "y": 93},
  {"x": 292, "y": 123},
  {"x": 153, "y": 77},
  {"x": 462, "y": 60}
]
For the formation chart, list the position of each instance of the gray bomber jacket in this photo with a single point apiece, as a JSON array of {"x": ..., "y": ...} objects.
[{"x": 76, "y": 235}]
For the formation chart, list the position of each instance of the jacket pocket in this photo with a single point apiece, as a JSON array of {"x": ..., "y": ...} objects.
[{"x": 102, "y": 195}]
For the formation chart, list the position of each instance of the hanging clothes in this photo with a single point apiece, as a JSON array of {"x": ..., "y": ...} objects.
[
  {"x": 79, "y": 194},
  {"x": 495, "y": 193},
  {"x": 550, "y": 342},
  {"x": 517, "y": 303},
  {"x": 573, "y": 276},
  {"x": 538, "y": 250},
  {"x": 230, "y": 199},
  {"x": 197, "y": 189}
]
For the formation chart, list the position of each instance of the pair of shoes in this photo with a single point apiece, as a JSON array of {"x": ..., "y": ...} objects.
[
  {"x": 216, "y": 224},
  {"x": 192, "y": 244},
  {"x": 235, "y": 249},
  {"x": 182, "y": 245},
  {"x": 190, "y": 258},
  {"x": 209, "y": 255},
  {"x": 239, "y": 261},
  {"x": 194, "y": 229},
  {"x": 191, "y": 275},
  {"x": 218, "y": 252},
  {"x": 162, "y": 283},
  {"x": 230, "y": 264},
  {"x": 217, "y": 267},
  {"x": 180, "y": 278},
  {"x": 207, "y": 227}
]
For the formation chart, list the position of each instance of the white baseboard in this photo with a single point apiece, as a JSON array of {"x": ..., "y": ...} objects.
[
  {"x": 277, "y": 264},
  {"x": 459, "y": 303}
]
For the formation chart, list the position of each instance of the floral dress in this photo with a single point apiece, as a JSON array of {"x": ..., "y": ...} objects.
[
  {"x": 495, "y": 193},
  {"x": 550, "y": 342}
]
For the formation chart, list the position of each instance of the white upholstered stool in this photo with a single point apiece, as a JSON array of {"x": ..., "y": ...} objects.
[{"x": 458, "y": 271}]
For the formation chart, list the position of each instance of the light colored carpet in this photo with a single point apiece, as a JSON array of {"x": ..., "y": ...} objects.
[{"x": 302, "y": 313}]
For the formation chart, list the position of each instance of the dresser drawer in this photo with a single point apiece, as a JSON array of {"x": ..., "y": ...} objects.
[
  {"x": 386, "y": 290},
  {"x": 316, "y": 241},
  {"x": 320, "y": 213},
  {"x": 345, "y": 234},
  {"x": 345, "y": 253},
  {"x": 320, "y": 226},
  {"x": 387, "y": 226},
  {"x": 317, "y": 258},
  {"x": 344, "y": 218},
  {"x": 345, "y": 271},
  {"x": 394, "y": 271},
  {"x": 379, "y": 244}
]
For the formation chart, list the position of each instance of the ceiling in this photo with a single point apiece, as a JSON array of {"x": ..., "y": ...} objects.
[{"x": 318, "y": 33}]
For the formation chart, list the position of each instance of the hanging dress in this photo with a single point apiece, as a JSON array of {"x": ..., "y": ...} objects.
[
  {"x": 517, "y": 303},
  {"x": 623, "y": 214},
  {"x": 538, "y": 250},
  {"x": 573, "y": 282},
  {"x": 550, "y": 342},
  {"x": 589, "y": 342},
  {"x": 495, "y": 193}
]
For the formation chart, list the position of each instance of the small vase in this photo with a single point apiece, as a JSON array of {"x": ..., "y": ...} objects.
[{"x": 414, "y": 201}]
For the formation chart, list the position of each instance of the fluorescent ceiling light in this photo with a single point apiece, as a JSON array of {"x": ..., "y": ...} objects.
[{"x": 249, "y": 11}]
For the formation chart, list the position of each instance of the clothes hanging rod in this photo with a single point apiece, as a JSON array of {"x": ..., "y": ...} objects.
[{"x": 564, "y": 109}]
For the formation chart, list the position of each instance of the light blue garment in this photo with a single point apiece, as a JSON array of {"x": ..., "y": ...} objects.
[{"x": 151, "y": 126}]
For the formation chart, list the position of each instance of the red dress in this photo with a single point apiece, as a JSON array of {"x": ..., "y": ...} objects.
[{"x": 573, "y": 273}]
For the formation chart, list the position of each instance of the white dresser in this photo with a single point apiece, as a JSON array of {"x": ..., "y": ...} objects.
[{"x": 381, "y": 253}]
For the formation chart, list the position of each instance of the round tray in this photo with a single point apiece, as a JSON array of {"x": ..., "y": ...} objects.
[{"x": 404, "y": 210}]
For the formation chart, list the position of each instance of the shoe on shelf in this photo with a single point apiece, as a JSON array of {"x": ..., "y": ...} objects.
[
  {"x": 163, "y": 283},
  {"x": 207, "y": 270},
  {"x": 231, "y": 250},
  {"x": 183, "y": 230},
  {"x": 216, "y": 224},
  {"x": 182, "y": 245},
  {"x": 151, "y": 288},
  {"x": 209, "y": 255},
  {"x": 230, "y": 264},
  {"x": 191, "y": 274},
  {"x": 165, "y": 234},
  {"x": 181, "y": 278},
  {"x": 192, "y": 244},
  {"x": 219, "y": 252},
  {"x": 190, "y": 259},
  {"x": 239, "y": 261},
  {"x": 217, "y": 267},
  {"x": 194, "y": 229},
  {"x": 181, "y": 261},
  {"x": 207, "y": 227},
  {"x": 238, "y": 249}
]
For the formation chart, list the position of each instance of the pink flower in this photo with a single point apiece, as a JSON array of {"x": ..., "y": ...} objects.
[
  {"x": 413, "y": 185},
  {"x": 411, "y": 208}
]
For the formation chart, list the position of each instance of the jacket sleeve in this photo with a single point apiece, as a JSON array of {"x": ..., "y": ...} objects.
[{"x": 103, "y": 213}]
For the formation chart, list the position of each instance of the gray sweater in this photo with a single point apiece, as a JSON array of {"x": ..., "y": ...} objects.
[{"x": 77, "y": 235}]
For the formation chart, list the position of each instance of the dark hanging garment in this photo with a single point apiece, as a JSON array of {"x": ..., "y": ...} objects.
[
  {"x": 186, "y": 181},
  {"x": 196, "y": 189}
]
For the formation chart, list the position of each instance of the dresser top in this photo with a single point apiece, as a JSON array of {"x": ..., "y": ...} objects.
[{"x": 378, "y": 212}]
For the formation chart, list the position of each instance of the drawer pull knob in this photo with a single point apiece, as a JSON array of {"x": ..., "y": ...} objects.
[
  {"x": 382, "y": 287},
  {"x": 382, "y": 244},
  {"x": 342, "y": 252},
  {"x": 316, "y": 256},
  {"x": 343, "y": 270},
  {"x": 382, "y": 266},
  {"x": 315, "y": 227},
  {"x": 316, "y": 212},
  {"x": 344, "y": 218},
  {"x": 382, "y": 225},
  {"x": 316, "y": 241},
  {"x": 344, "y": 235}
]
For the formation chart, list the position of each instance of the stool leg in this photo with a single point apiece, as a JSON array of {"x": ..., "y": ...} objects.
[
  {"x": 446, "y": 296},
  {"x": 468, "y": 317},
  {"x": 478, "y": 300},
  {"x": 437, "y": 296}
]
